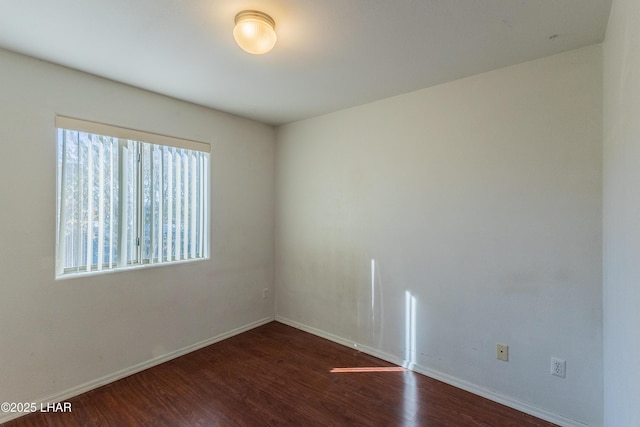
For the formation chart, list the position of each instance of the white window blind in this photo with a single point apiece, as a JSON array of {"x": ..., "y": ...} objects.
[{"x": 127, "y": 198}]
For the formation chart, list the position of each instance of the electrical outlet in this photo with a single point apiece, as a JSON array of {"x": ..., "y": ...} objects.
[
  {"x": 558, "y": 367},
  {"x": 265, "y": 293},
  {"x": 502, "y": 352}
]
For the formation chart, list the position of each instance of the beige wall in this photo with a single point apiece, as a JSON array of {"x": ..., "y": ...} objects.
[
  {"x": 57, "y": 337},
  {"x": 622, "y": 215},
  {"x": 481, "y": 200}
]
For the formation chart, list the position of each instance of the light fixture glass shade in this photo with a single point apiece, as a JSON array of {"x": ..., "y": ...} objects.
[{"x": 255, "y": 32}]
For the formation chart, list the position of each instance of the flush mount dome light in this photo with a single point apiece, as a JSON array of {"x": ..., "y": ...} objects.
[{"x": 255, "y": 32}]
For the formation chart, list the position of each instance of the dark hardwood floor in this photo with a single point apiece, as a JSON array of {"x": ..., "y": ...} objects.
[{"x": 276, "y": 375}]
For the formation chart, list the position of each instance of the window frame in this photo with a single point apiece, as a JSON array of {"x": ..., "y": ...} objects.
[{"x": 139, "y": 139}]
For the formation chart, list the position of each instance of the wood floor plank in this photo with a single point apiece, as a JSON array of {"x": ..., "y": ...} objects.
[{"x": 276, "y": 375}]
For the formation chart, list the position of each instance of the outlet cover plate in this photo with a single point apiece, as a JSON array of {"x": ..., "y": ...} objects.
[
  {"x": 558, "y": 367},
  {"x": 502, "y": 352}
]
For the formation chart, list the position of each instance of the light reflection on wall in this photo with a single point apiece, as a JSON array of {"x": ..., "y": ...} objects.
[
  {"x": 373, "y": 291},
  {"x": 410, "y": 330},
  {"x": 409, "y": 391},
  {"x": 376, "y": 309}
]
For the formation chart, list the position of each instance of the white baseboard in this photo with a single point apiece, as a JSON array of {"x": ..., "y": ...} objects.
[
  {"x": 99, "y": 382},
  {"x": 448, "y": 379}
]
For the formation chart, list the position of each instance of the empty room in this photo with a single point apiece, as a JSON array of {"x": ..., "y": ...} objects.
[{"x": 337, "y": 212}]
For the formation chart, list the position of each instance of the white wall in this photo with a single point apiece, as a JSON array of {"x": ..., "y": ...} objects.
[
  {"x": 482, "y": 199},
  {"x": 58, "y": 336},
  {"x": 622, "y": 215}
]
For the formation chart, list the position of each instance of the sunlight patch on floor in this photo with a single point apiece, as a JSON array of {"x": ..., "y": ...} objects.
[{"x": 370, "y": 369}]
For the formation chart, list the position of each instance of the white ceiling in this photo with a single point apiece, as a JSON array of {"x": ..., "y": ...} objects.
[{"x": 331, "y": 54}]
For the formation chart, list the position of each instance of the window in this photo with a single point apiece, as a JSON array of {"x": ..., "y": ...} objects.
[{"x": 127, "y": 198}]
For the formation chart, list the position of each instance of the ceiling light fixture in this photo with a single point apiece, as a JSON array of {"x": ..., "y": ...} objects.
[{"x": 255, "y": 32}]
